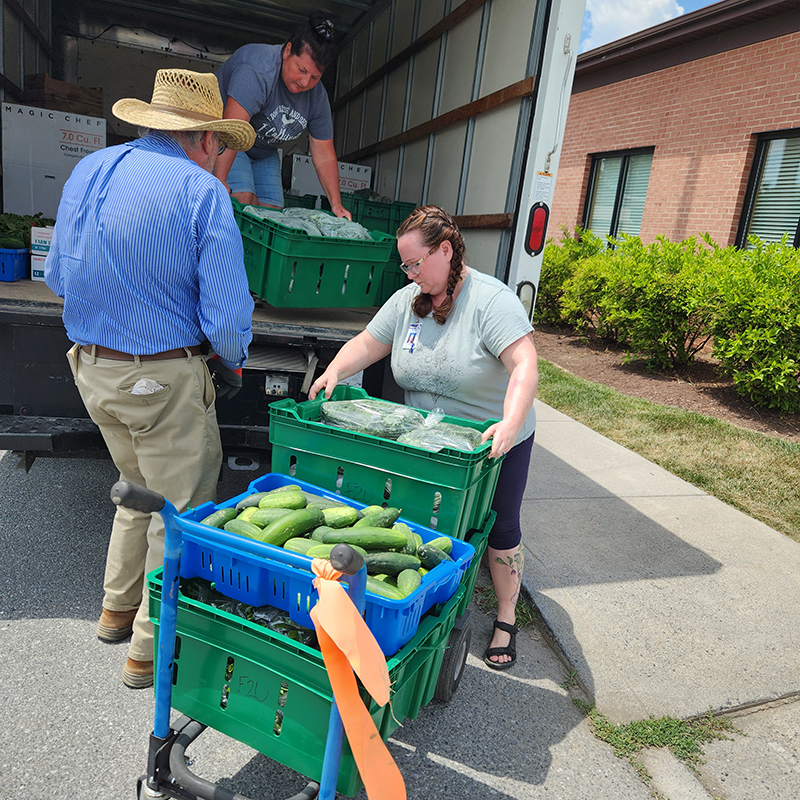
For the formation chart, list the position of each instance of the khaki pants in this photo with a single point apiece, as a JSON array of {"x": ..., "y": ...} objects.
[{"x": 167, "y": 441}]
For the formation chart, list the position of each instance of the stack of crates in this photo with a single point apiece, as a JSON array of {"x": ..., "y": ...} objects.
[
  {"x": 270, "y": 691},
  {"x": 450, "y": 491}
]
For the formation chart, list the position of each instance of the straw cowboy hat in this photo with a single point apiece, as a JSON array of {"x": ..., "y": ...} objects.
[{"x": 186, "y": 101}]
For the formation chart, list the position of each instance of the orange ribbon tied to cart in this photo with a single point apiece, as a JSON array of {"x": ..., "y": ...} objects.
[{"x": 349, "y": 647}]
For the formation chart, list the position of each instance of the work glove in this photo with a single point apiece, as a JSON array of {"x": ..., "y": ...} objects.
[{"x": 227, "y": 382}]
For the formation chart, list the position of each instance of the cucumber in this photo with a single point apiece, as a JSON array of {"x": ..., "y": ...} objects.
[
  {"x": 368, "y": 538},
  {"x": 242, "y": 528},
  {"x": 341, "y": 517},
  {"x": 295, "y": 523},
  {"x": 299, "y": 544},
  {"x": 411, "y": 542},
  {"x": 444, "y": 543},
  {"x": 390, "y": 563},
  {"x": 321, "y": 550},
  {"x": 320, "y": 531},
  {"x": 383, "y": 589},
  {"x": 384, "y": 518},
  {"x": 265, "y": 516},
  {"x": 293, "y": 500},
  {"x": 290, "y": 487},
  {"x": 219, "y": 517},
  {"x": 423, "y": 571},
  {"x": 323, "y": 502},
  {"x": 247, "y": 513},
  {"x": 250, "y": 500},
  {"x": 431, "y": 556},
  {"x": 408, "y": 580},
  {"x": 382, "y": 576}
]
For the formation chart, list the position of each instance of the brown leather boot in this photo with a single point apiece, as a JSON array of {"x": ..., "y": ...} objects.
[
  {"x": 137, "y": 674},
  {"x": 114, "y": 626}
]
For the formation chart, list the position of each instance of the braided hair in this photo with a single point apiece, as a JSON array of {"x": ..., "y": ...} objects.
[
  {"x": 317, "y": 35},
  {"x": 435, "y": 226}
]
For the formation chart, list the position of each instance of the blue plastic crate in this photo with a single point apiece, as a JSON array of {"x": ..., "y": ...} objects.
[
  {"x": 13, "y": 264},
  {"x": 261, "y": 574}
]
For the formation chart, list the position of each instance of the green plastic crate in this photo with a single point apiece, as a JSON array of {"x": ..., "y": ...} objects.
[
  {"x": 400, "y": 211},
  {"x": 290, "y": 269},
  {"x": 373, "y": 214},
  {"x": 299, "y": 201},
  {"x": 479, "y": 539},
  {"x": 236, "y": 676},
  {"x": 450, "y": 491},
  {"x": 393, "y": 279}
]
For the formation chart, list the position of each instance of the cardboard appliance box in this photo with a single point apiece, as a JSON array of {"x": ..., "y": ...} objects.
[
  {"x": 41, "y": 239},
  {"x": 37, "y": 266}
]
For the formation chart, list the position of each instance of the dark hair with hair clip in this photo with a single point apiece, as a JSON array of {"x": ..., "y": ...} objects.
[
  {"x": 435, "y": 226},
  {"x": 317, "y": 35}
]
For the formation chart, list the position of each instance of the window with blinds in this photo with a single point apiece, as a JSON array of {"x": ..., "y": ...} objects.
[
  {"x": 772, "y": 205},
  {"x": 617, "y": 191}
]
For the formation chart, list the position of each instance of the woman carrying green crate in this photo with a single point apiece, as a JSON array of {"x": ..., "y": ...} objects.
[
  {"x": 461, "y": 341},
  {"x": 277, "y": 89}
]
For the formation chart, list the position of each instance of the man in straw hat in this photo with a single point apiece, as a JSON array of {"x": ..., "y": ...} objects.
[{"x": 148, "y": 259}]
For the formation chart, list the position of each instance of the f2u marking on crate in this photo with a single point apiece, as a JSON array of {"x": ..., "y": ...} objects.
[{"x": 249, "y": 688}]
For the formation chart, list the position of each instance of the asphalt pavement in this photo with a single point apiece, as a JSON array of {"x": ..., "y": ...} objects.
[{"x": 642, "y": 591}]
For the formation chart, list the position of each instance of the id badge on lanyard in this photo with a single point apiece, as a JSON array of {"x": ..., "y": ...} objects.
[{"x": 412, "y": 336}]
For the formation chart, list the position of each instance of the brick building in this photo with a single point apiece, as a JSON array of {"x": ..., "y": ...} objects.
[{"x": 689, "y": 126}]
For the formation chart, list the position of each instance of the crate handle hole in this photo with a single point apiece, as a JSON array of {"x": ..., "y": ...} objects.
[
  {"x": 223, "y": 701},
  {"x": 174, "y": 674},
  {"x": 292, "y": 466},
  {"x": 339, "y": 477},
  {"x": 291, "y": 278},
  {"x": 284, "y": 693},
  {"x": 387, "y": 491},
  {"x": 278, "y": 724},
  {"x": 177, "y": 653}
]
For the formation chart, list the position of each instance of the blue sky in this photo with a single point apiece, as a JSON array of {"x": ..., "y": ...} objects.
[{"x": 607, "y": 20}]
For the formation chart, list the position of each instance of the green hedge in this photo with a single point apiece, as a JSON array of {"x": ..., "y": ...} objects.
[{"x": 664, "y": 301}]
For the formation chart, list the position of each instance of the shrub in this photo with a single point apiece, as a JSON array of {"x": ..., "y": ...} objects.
[
  {"x": 656, "y": 300},
  {"x": 757, "y": 325},
  {"x": 558, "y": 264},
  {"x": 663, "y": 298}
]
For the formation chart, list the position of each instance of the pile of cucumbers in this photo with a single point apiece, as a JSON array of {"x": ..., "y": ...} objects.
[{"x": 288, "y": 517}]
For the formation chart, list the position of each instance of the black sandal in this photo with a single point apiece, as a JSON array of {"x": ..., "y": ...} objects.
[{"x": 510, "y": 650}]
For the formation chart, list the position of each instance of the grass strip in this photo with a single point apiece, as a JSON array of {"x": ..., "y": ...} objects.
[{"x": 753, "y": 472}]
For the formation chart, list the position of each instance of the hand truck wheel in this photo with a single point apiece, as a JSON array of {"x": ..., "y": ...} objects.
[{"x": 454, "y": 661}]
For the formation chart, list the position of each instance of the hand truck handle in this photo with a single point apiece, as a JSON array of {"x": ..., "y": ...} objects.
[
  {"x": 345, "y": 559},
  {"x": 129, "y": 495}
]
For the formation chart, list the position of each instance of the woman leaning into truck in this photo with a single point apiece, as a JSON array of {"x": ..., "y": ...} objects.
[
  {"x": 277, "y": 89},
  {"x": 460, "y": 340}
]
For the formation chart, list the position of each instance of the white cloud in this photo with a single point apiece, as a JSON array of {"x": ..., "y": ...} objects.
[{"x": 607, "y": 20}]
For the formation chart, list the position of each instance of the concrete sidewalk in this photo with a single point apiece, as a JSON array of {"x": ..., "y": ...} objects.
[{"x": 665, "y": 600}]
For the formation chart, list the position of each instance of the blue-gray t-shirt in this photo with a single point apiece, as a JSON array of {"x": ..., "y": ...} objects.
[
  {"x": 252, "y": 77},
  {"x": 456, "y": 366}
]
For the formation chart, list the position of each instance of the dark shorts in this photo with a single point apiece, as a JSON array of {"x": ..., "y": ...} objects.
[{"x": 507, "y": 533}]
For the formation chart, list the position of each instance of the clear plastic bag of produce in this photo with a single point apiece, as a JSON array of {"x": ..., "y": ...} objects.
[
  {"x": 435, "y": 435},
  {"x": 267, "y": 616},
  {"x": 374, "y": 417},
  {"x": 338, "y": 227},
  {"x": 287, "y": 220}
]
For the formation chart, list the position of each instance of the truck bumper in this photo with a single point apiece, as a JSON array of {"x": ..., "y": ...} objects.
[{"x": 68, "y": 437}]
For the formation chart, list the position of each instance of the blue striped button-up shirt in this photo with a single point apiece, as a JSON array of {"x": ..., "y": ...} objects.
[{"x": 147, "y": 255}]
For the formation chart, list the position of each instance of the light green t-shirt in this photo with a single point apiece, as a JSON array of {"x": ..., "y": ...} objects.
[{"x": 456, "y": 366}]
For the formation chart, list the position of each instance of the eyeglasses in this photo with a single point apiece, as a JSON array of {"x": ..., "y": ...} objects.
[
  {"x": 413, "y": 268},
  {"x": 222, "y": 149}
]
